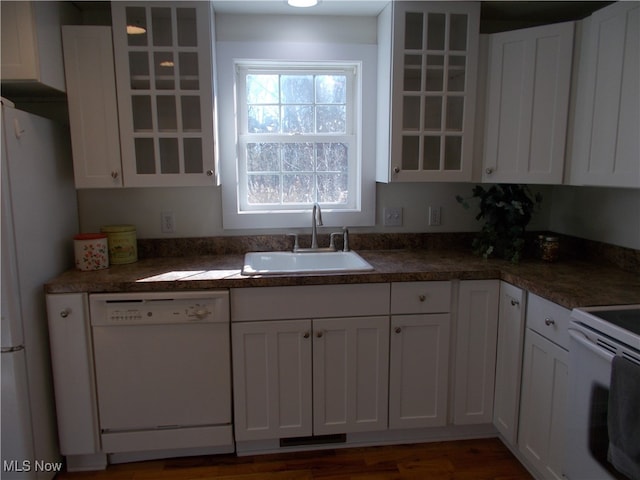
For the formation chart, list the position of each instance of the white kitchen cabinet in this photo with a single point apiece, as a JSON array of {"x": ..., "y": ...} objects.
[
  {"x": 606, "y": 144},
  {"x": 541, "y": 436},
  {"x": 511, "y": 322},
  {"x": 272, "y": 379},
  {"x": 32, "y": 46},
  {"x": 529, "y": 78},
  {"x": 419, "y": 354},
  {"x": 165, "y": 85},
  {"x": 73, "y": 377},
  {"x": 427, "y": 61},
  {"x": 475, "y": 351},
  {"x": 301, "y": 369},
  {"x": 93, "y": 111}
]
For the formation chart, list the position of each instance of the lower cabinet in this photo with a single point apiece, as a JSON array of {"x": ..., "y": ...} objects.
[{"x": 541, "y": 438}]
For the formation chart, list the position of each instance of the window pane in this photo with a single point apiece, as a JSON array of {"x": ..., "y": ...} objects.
[
  {"x": 193, "y": 155},
  {"x": 331, "y": 89},
  {"x": 431, "y": 160},
  {"x": 297, "y": 119},
  {"x": 455, "y": 113},
  {"x": 458, "y": 34},
  {"x": 169, "y": 156},
  {"x": 263, "y": 189},
  {"x": 188, "y": 71},
  {"x": 433, "y": 113},
  {"x": 187, "y": 31},
  {"x": 331, "y": 119},
  {"x": 191, "y": 114},
  {"x": 145, "y": 156},
  {"x": 163, "y": 65},
  {"x": 264, "y": 119},
  {"x": 297, "y": 88},
  {"x": 167, "y": 118},
  {"x": 435, "y": 31},
  {"x": 410, "y": 113},
  {"x": 263, "y": 89},
  {"x": 298, "y": 188},
  {"x": 332, "y": 157},
  {"x": 263, "y": 157},
  {"x": 410, "y": 149},
  {"x": 297, "y": 157},
  {"x": 453, "y": 153},
  {"x": 333, "y": 188},
  {"x": 141, "y": 110},
  {"x": 161, "y": 22},
  {"x": 456, "y": 73},
  {"x": 413, "y": 31},
  {"x": 413, "y": 73},
  {"x": 435, "y": 73},
  {"x": 136, "y": 26},
  {"x": 139, "y": 68}
]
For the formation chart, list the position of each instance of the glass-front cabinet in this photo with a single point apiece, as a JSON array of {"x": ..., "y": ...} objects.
[
  {"x": 164, "y": 74},
  {"x": 430, "y": 93}
]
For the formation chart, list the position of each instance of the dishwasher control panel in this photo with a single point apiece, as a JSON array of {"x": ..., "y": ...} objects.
[{"x": 159, "y": 308}]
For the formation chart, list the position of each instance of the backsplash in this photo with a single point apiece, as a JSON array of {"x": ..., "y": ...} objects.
[{"x": 570, "y": 247}]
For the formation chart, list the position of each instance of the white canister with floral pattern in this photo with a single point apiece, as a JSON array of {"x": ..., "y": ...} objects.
[{"x": 91, "y": 250}]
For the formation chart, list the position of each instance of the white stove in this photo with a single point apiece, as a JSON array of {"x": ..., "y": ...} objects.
[{"x": 597, "y": 335}]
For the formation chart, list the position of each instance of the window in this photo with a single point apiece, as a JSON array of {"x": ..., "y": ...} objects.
[{"x": 297, "y": 136}]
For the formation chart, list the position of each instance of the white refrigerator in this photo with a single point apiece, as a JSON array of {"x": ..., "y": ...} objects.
[{"x": 39, "y": 219}]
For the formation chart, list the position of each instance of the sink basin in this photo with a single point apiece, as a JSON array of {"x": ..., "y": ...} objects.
[{"x": 276, "y": 263}]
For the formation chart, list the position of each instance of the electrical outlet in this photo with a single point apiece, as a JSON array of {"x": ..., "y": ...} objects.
[
  {"x": 392, "y": 216},
  {"x": 435, "y": 214},
  {"x": 168, "y": 222}
]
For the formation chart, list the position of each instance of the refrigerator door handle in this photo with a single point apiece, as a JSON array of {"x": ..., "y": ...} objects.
[{"x": 11, "y": 349}]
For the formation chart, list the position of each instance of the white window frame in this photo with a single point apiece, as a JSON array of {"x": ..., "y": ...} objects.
[
  {"x": 349, "y": 137},
  {"x": 231, "y": 53}
]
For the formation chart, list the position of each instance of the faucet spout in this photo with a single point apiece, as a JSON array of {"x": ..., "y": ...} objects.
[{"x": 316, "y": 219}]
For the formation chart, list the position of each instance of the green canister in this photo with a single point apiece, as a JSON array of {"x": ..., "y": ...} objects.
[{"x": 123, "y": 244}]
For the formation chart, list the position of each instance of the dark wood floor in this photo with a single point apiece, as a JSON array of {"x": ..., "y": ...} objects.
[{"x": 486, "y": 459}]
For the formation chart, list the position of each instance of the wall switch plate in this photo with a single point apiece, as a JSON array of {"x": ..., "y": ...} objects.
[
  {"x": 435, "y": 216},
  {"x": 392, "y": 216},
  {"x": 168, "y": 222}
]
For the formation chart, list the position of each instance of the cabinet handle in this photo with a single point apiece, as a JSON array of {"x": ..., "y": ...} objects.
[
  {"x": 549, "y": 321},
  {"x": 514, "y": 302},
  {"x": 209, "y": 173},
  {"x": 398, "y": 330},
  {"x": 422, "y": 298},
  {"x": 114, "y": 174},
  {"x": 65, "y": 313},
  {"x": 306, "y": 335},
  {"x": 489, "y": 171},
  {"x": 319, "y": 334}
]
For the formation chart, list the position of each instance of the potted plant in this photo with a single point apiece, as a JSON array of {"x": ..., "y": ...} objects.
[{"x": 506, "y": 210}]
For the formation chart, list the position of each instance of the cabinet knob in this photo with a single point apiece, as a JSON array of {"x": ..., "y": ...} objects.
[
  {"x": 422, "y": 298},
  {"x": 396, "y": 170},
  {"x": 209, "y": 173},
  {"x": 65, "y": 313},
  {"x": 489, "y": 171},
  {"x": 114, "y": 174},
  {"x": 514, "y": 302},
  {"x": 398, "y": 330},
  {"x": 549, "y": 321},
  {"x": 319, "y": 334},
  {"x": 306, "y": 335}
]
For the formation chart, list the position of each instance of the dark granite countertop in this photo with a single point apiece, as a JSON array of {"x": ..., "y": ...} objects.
[{"x": 570, "y": 283}]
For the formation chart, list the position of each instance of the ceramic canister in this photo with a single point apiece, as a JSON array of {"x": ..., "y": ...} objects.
[
  {"x": 123, "y": 244},
  {"x": 91, "y": 251}
]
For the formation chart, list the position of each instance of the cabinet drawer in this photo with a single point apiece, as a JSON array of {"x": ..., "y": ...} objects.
[
  {"x": 420, "y": 297},
  {"x": 549, "y": 320},
  {"x": 321, "y": 301}
]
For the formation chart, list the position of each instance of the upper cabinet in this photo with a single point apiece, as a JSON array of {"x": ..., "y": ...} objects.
[
  {"x": 606, "y": 144},
  {"x": 427, "y": 62},
  {"x": 165, "y": 85},
  {"x": 527, "y": 104},
  {"x": 32, "y": 46}
]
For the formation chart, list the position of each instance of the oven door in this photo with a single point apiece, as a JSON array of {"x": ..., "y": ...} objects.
[{"x": 587, "y": 432}]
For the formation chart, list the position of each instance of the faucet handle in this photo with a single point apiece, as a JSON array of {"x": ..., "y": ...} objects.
[{"x": 296, "y": 246}]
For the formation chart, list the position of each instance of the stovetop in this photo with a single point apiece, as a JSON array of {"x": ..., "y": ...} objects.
[
  {"x": 626, "y": 319},
  {"x": 620, "y": 323}
]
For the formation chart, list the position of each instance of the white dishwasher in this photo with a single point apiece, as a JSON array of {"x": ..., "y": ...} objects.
[{"x": 163, "y": 370}]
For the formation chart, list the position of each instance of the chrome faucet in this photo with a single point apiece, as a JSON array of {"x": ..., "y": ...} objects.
[{"x": 315, "y": 213}]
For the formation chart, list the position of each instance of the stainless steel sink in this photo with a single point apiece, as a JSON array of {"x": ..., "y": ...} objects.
[{"x": 277, "y": 263}]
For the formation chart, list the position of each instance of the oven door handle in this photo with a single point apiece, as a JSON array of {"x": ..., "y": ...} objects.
[{"x": 586, "y": 342}]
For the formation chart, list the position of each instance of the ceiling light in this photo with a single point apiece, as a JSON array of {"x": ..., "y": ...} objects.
[
  {"x": 302, "y": 3},
  {"x": 135, "y": 30}
]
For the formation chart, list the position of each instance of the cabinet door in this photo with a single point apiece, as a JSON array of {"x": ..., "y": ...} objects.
[
  {"x": 434, "y": 73},
  {"x": 164, "y": 58},
  {"x": 72, "y": 365},
  {"x": 509, "y": 361},
  {"x": 529, "y": 78},
  {"x": 475, "y": 356},
  {"x": 93, "y": 112},
  {"x": 350, "y": 374},
  {"x": 419, "y": 371},
  {"x": 541, "y": 437},
  {"x": 606, "y": 145},
  {"x": 272, "y": 379}
]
